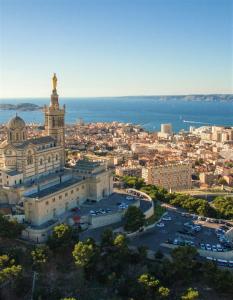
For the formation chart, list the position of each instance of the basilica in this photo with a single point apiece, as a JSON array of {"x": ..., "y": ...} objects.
[{"x": 33, "y": 173}]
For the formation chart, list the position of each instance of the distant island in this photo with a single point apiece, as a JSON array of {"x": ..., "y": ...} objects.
[
  {"x": 205, "y": 98},
  {"x": 197, "y": 98},
  {"x": 20, "y": 107},
  {"x": 217, "y": 98}
]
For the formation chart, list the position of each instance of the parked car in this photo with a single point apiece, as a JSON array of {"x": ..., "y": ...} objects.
[
  {"x": 123, "y": 205},
  {"x": 202, "y": 246},
  {"x": 221, "y": 222},
  {"x": 227, "y": 245},
  {"x": 196, "y": 228},
  {"x": 160, "y": 224},
  {"x": 212, "y": 221},
  {"x": 219, "y": 248},
  {"x": 229, "y": 224},
  {"x": 224, "y": 228},
  {"x": 184, "y": 214},
  {"x": 166, "y": 218},
  {"x": 189, "y": 243},
  {"x": 230, "y": 263},
  {"x": 211, "y": 259},
  {"x": 222, "y": 262},
  {"x": 175, "y": 242},
  {"x": 208, "y": 247},
  {"x": 169, "y": 241},
  {"x": 214, "y": 248}
]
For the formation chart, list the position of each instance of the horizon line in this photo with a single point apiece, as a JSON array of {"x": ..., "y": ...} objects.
[{"x": 120, "y": 96}]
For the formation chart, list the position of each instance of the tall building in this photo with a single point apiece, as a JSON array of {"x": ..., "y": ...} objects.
[
  {"x": 166, "y": 131},
  {"x": 166, "y": 128},
  {"x": 170, "y": 176},
  {"x": 54, "y": 119}
]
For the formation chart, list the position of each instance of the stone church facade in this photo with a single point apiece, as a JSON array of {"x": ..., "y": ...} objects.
[{"x": 33, "y": 172}]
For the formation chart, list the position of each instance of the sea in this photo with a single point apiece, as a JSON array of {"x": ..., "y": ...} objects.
[{"x": 149, "y": 112}]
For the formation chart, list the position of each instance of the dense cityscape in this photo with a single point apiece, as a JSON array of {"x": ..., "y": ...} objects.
[
  {"x": 116, "y": 150},
  {"x": 101, "y": 189}
]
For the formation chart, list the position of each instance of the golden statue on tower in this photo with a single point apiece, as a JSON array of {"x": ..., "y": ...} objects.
[{"x": 54, "y": 79}]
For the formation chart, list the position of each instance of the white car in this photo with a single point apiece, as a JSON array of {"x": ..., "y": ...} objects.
[
  {"x": 129, "y": 198},
  {"x": 166, "y": 218},
  {"x": 196, "y": 228},
  {"x": 214, "y": 248},
  {"x": 175, "y": 242},
  {"x": 219, "y": 248},
  {"x": 208, "y": 247},
  {"x": 123, "y": 206},
  {"x": 160, "y": 225}
]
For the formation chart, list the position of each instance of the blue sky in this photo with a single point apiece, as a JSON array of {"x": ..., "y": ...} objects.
[{"x": 115, "y": 47}]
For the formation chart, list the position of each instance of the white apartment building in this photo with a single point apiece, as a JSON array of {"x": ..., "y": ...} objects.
[{"x": 170, "y": 176}]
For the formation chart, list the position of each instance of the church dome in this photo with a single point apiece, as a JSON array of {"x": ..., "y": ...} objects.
[{"x": 16, "y": 123}]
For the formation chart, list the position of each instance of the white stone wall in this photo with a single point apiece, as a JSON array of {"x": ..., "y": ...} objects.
[
  {"x": 103, "y": 220},
  {"x": 39, "y": 211}
]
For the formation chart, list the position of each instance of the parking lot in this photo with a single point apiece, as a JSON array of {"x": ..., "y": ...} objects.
[
  {"x": 114, "y": 203},
  {"x": 111, "y": 204},
  {"x": 179, "y": 229}
]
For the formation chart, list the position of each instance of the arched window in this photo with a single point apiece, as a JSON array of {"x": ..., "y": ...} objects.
[
  {"x": 41, "y": 161},
  {"x": 56, "y": 157},
  {"x": 17, "y": 136},
  {"x": 29, "y": 158},
  {"x": 49, "y": 159}
]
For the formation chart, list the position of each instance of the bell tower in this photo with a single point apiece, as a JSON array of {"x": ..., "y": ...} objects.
[{"x": 55, "y": 118}]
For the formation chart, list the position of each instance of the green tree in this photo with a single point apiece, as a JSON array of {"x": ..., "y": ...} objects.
[
  {"x": 8, "y": 269},
  {"x": 190, "y": 294},
  {"x": 224, "y": 206},
  {"x": 134, "y": 219},
  {"x": 152, "y": 288},
  {"x": 133, "y": 182},
  {"x": 83, "y": 254},
  {"x": 39, "y": 256},
  {"x": 107, "y": 238},
  {"x": 220, "y": 280},
  {"x": 142, "y": 252},
  {"x": 159, "y": 254},
  {"x": 61, "y": 237},
  {"x": 148, "y": 281},
  {"x": 9, "y": 229},
  {"x": 184, "y": 262},
  {"x": 120, "y": 241},
  {"x": 164, "y": 292}
]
